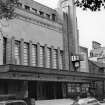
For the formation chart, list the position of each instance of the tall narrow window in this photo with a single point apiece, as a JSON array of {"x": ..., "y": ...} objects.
[
  {"x": 49, "y": 57},
  {"x": 53, "y": 17},
  {"x": 4, "y": 50},
  {"x": 19, "y": 4},
  {"x": 41, "y": 13},
  {"x": 34, "y": 55},
  {"x": 61, "y": 59},
  {"x": 26, "y": 53},
  {"x": 41, "y": 56},
  {"x": 48, "y": 16},
  {"x": 55, "y": 59},
  {"x": 27, "y": 7},
  {"x": 17, "y": 52}
]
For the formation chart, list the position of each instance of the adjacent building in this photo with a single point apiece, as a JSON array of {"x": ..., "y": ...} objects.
[
  {"x": 97, "y": 53},
  {"x": 84, "y": 66},
  {"x": 97, "y": 85},
  {"x": 97, "y": 65}
]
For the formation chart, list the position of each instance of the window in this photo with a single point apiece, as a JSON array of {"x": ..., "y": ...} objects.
[
  {"x": 34, "y": 50},
  {"x": 53, "y": 17},
  {"x": 27, "y": 7},
  {"x": 71, "y": 88},
  {"x": 101, "y": 70},
  {"x": 48, "y": 16},
  {"x": 49, "y": 57},
  {"x": 91, "y": 54},
  {"x": 17, "y": 52},
  {"x": 61, "y": 59},
  {"x": 41, "y": 56},
  {"x": 26, "y": 53},
  {"x": 55, "y": 59},
  {"x": 19, "y": 4},
  {"x": 41, "y": 13},
  {"x": 34, "y": 10}
]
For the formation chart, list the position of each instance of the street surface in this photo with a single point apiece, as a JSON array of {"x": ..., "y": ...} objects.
[{"x": 55, "y": 102}]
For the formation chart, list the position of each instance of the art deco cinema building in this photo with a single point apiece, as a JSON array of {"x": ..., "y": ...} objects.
[{"x": 39, "y": 52}]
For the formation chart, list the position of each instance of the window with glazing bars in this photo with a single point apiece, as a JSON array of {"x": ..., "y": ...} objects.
[
  {"x": 26, "y": 53},
  {"x": 17, "y": 52},
  {"x": 41, "y": 56},
  {"x": 41, "y": 13},
  {"x": 61, "y": 59},
  {"x": 34, "y": 50},
  {"x": 4, "y": 50},
  {"x": 48, "y": 57},
  {"x": 19, "y": 4},
  {"x": 27, "y": 7},
  {"x": 55, "y": 59},
  {"x": 53, "y": 17}
]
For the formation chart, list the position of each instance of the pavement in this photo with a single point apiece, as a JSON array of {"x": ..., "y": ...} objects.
[
  {"x": 55, "y": 102},
  {"x": 102, "y": 103}
]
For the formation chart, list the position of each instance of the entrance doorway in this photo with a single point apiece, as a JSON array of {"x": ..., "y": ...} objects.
[
  {"x": 45, "y": 90},
  {"x": 32, "y": 89}
]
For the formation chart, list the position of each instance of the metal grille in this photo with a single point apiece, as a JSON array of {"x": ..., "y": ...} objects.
[
  {"x": 34, "y": 50},
  {"x": 41, "y": 56},
  {"x": 26, "y": 53},
  {"x": 17, "y": 52},
  {"x": 55, "y": 59}
]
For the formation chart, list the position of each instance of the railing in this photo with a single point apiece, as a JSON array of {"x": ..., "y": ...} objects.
[{"x": 19, "y": 52}]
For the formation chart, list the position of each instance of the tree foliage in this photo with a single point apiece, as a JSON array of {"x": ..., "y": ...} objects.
[
  {"x": 93, "y": 5},
  {"x": 7, "y": 8}
]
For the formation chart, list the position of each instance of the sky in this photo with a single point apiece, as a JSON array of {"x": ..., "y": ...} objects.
[{"x": 91, "y": 25}]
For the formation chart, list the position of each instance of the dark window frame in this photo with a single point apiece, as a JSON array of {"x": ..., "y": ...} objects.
[
  {"x": 54, "y": 17},
  {"x": 27, "y": 7},
  {"x": 41, "y": 13}
]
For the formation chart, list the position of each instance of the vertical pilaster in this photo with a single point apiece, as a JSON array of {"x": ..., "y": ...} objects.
[
  {"x": 13, "y": 50},
  {"x": 22, "y": 51},
  {"x": 30, "y": 53},
  {"x": 8, "y": 51},
  {"x": 52, "y": 57},
  {"x": 38, "y": 55},
  {"x": 65, "y": 43},
  {"x": 1, "y": 49},
  {"x": 71, "y": 35},
  {"x": 45, "y": 56}
]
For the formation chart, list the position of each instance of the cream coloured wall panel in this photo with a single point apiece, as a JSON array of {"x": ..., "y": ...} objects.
[{"x": 35, "y": 32}]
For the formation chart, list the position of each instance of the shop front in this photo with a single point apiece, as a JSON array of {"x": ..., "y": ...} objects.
[
  {"x": 42, "y": 84},
  {"x": 77, "y": 89},
  {"x": 42, "y": 90}
]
